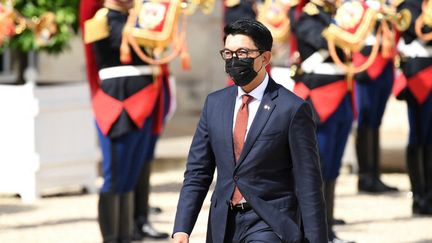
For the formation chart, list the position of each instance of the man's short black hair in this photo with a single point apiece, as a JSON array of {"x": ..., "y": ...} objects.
[{"x": 260, "y": 35}]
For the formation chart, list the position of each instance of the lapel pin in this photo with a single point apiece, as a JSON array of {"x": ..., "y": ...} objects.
[{"x": 266, "y": 107}]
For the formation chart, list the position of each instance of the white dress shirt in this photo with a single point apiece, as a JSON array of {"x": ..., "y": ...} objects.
[{"x": 253, "y": 106}]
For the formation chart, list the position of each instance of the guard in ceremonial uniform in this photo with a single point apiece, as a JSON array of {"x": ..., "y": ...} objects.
[
  {"x": 323, "y": 84},
  {"x": 416, "y": 88},
  {"x": 129, "y": 106},
  {"x": 294, "y": 12},
  {"x": 373, "y": 90}
]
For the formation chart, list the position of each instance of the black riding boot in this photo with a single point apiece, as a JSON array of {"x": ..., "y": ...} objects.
[
  {"x": 416, "y": 172},
  {"x": 108, "y": 216},
  {"x": 378, "y": 185},
  {"x": 427, "y": 164},
  {"x": 329, "y": 196},
  {"x": 368, "y": 156},
  {"x": 126, "y": 217},
  {"x": 363, "y": 146},
  {"x": 143, "y": 228},
  {"x": 329, "y": 191}
]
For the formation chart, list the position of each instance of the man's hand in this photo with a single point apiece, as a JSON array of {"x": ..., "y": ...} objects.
[{"x": 181, "y": 238}]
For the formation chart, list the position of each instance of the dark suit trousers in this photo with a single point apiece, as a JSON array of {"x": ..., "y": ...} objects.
[{"x": 248, "y": 227}]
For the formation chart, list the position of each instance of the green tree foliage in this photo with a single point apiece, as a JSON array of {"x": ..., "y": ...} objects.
[{"x": 66, "y": 18}]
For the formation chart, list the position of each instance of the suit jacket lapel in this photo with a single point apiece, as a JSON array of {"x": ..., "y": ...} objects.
[
  {"x": 227, "y": 122},
  {"x": 264, "y": 111}
]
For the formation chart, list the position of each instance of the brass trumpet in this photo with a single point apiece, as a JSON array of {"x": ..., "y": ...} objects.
[
  {"x": 425, "y": 19},
  {"x": 401, "y": 19},
  {"x": 191, "y": 6},
  {"x": 427, "y": 13}
]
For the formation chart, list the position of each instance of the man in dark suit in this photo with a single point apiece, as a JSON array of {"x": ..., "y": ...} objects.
[{"x": 261, "y": 138}]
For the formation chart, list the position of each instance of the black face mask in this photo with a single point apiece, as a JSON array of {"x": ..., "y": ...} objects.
[{"x": 241, "y": 70}]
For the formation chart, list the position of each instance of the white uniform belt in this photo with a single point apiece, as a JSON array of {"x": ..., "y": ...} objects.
[
  {"x": 127, "y": 71},
  {"x": 315, "y": 64},
  {"x": 414, "y": 49},
  {"x": 370, "y": 40},
  {"x": 327, "y": 69},
  {"x": 316, "y": 58}
]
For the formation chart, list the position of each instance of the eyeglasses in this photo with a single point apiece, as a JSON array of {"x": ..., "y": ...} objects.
[{"x": 239, "y": 53}]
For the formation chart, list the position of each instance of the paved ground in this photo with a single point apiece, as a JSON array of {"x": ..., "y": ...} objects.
[{"x": 71, "y": 217}]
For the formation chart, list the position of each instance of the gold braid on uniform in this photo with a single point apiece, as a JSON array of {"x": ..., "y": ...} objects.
[
  {"x": 96, "y": 28},
  {"x": 396, "y": 3},
  {"x": 311, "y": 9},
  {"x": 294, "y": 3},
  {"x": 319, "y": 2}
]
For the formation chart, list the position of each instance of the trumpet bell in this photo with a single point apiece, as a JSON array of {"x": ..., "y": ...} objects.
[{"x": 403, "y": 20}]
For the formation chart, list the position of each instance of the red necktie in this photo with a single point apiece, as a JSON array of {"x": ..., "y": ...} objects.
[{"x": 239, "y": 138}]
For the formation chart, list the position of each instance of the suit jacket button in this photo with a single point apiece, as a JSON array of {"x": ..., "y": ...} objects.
[{"x": 236, "y": 178}]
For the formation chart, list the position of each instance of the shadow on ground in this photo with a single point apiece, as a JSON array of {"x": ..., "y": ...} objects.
[
  {"x": 15, "y": 208},
  {"x": 50, "y": 223}
]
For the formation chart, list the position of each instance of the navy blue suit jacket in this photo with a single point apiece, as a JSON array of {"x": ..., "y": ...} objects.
[{"x": 278, "y": 171}]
